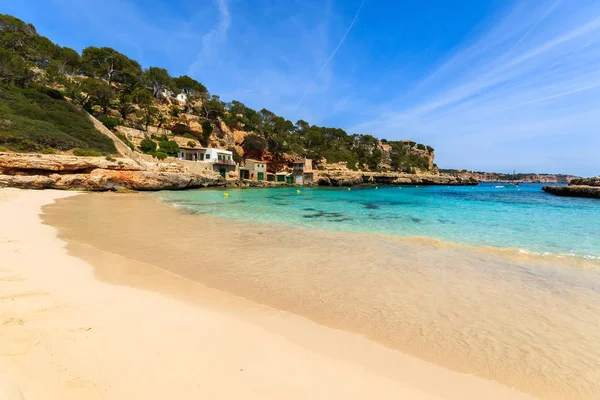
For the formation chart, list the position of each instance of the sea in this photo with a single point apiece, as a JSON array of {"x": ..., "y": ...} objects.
[
  {"x": 496, "y": 215},
  {"x": 497, "y": 281}
]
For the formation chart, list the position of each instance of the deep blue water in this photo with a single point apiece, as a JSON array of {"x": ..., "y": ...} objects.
[{"x": 524, "y": 218}]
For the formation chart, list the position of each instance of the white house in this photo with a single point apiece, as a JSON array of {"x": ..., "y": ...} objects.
[{"x": 222, "y": 160}]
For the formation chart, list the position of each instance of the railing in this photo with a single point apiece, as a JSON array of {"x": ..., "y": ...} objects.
[{"x": 228, "y": 162}]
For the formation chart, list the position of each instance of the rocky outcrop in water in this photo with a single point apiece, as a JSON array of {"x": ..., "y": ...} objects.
[
  {"x": 352, "y": 178},
  {"x": 37, "y": 171},
  {"x": 580, "y": 187}
]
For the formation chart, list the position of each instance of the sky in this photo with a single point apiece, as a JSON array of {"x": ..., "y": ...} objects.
[{"x": 491, "y": 85}]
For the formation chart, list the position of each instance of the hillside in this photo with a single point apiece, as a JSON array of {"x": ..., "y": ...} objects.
[
  {"x": 38, "y": 119},
  {"x": 170, "y": 111}
]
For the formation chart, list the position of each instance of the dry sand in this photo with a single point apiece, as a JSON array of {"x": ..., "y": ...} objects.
[{"x": 66, "y": 335}]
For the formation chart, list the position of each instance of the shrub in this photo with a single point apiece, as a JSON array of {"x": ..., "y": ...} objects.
[
  {"x": 430, "y": 149},
  {"x": 148, "y": 146},
  {"x": 109, "y": 158},
  {"x": 32, "y": 119},
  {"x": 421, "y": 146},
  {"x": 86, "y": 153},
  {"x": 191, "y": 144},
  {"x": 174, "y": 111},
  {"x": 48, "y": 150},
  {"x": 160, "y": 155},
  {"x": 188, "y": 135},
  {"x": 110, "y": 122},
  {"x": 169, "y": 147}
]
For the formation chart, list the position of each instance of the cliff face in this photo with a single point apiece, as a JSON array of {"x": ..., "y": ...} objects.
[
  {"x": 524, "y": 178},
  {"x": 581, "y": 187},
  {"x": 351, "y": 178},
  {"x": 36, "y": 171}
]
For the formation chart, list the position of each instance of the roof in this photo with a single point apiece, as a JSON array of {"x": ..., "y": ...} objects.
[
  {"x": 191, "y": 148},
  {"x": 219, "y": 150}
]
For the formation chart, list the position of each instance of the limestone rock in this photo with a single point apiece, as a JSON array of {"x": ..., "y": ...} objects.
[
  {"x": 20, "y": 162},
  {"x": 105, "y": 180},
  {"x": 581, "y": 187},
  {"x": 351, "y": 178},
  {"x": 37, "y": 171}
]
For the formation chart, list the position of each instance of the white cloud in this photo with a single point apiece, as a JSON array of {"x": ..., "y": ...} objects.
[
  {"x": 534, "y": 75},
  {"x": 214, "y": 40}
]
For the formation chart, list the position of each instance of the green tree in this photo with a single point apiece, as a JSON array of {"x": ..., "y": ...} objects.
[
  {"x": 144, "y": 99},
  {"x": 169, "y": 147},
  {"x": 157, "y": 79},
  {"x": 161, "y": 120},
  {"x": 212, "y": 107},
  {"x": 69, "y": 59},
  {"x": 101, "y": 93},
  {"x": 374, "y": 159},
  {"x": 207, "y": 130},
  {"x": 23, "y": 39},
  {"x": 107, "y": 63},
  {"x": 13, "y": 70},
  {"x": 189, "y": 85},
  {"x": 124, "y": 105},
  {"x": 148, "y": 146},
  {"x": 254, "y": 145}
]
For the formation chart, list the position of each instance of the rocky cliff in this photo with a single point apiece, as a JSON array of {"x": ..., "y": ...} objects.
[
  {"x": 37, "y": 171},
  {"x": 501, "y": 177},
  {"x": 351, "y": 178},
  {"x": 580, "y": 187}
]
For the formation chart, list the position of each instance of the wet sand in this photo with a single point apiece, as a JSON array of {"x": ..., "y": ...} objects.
[
  {"x": 105, "y": 326},
  {"x": 530, "y": 323}
]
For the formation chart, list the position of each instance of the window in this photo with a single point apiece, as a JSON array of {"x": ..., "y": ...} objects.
[{"x": 207, "y": 156}]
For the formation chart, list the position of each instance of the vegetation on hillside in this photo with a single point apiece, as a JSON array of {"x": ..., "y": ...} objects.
[
  {"x": 118, "y": 90},
  {"x": 36, "y": 118}
]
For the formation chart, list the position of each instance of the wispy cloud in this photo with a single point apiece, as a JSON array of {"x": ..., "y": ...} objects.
[
  {"x": 215, "y": 38},
  {"x": 532, "y": 75},
  {"x": 332, "y": 55}
]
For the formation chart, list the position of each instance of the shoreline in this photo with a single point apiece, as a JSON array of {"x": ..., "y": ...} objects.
[
  {"x": 518, "y": 254},
  {"x": 423, "y": 294},
  {"x": 68, "y": 324}
]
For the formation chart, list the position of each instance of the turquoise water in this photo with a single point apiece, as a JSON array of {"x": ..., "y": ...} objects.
[{"x": 525, "y": 218}]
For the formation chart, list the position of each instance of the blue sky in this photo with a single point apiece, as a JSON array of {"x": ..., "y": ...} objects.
[{"x": 491, "y": 85}]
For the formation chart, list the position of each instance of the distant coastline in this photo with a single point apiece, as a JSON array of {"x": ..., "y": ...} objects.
[{"x": 482, "y": 176}]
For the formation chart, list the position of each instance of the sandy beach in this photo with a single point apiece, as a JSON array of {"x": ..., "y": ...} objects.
[{"x": 67, "y": 335}]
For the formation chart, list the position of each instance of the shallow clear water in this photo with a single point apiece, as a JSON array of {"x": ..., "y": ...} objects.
[
  {"x": 526, "y": 218},
  {"x": 530, "y": 322}
]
